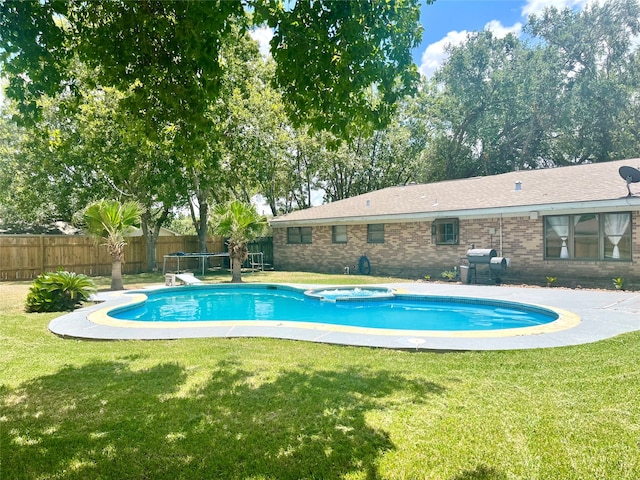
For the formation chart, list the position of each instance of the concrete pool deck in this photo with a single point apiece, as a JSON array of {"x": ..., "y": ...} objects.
[{"x": 602, "y": 314}]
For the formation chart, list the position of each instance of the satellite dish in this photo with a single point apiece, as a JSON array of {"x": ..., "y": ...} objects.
[{"x": 630, "y": 175}]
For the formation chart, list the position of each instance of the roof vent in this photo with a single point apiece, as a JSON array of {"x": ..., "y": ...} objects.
[
  {"x": 368, "y": 203},
  {"x": 518, "y": 186}
]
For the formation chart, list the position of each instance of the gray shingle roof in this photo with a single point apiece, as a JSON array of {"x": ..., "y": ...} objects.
[{"x": 544, "y": 189}]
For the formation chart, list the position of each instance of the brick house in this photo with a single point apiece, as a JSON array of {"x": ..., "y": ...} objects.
[{"x": 576, "y": 223}]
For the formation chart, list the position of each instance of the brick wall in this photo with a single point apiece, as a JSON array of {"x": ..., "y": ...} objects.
[{"x": 408, "y": 251}]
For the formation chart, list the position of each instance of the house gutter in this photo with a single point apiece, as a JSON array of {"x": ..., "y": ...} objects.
[{"x": 532, "y": 211}]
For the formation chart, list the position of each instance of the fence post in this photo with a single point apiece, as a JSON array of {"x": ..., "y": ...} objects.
[{"x": 43, "y": 262}]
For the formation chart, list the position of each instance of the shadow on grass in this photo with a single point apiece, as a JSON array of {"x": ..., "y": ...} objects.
[
  {"x": 481, "y": 473},
  {"x": 105, "y": 420}
]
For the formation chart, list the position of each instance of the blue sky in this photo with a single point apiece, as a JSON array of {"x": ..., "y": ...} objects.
[{"x": 449, "y": 22}]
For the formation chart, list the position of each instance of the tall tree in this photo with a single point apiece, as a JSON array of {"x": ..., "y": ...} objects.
[
  {"x": 219, "y": 165},
  {"x": 307, "y": 156},
  {"x": 120, "y": 154},
  {"x": 46, "y": 181},
  {"x": 170, "y": 58},
  {"x": 491, "y": 101},
  {"x": 567, "y": 96},
  {"x": 598, "y": 51},
  {"x": 258, "y": 138},
  {"x": 98, "y": 150},
  {"x": 110, "y": 221},
  {"x": 391, "y": 156}
]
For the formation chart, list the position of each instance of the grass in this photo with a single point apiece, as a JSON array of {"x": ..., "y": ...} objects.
[{"x": 275, "y": 409}]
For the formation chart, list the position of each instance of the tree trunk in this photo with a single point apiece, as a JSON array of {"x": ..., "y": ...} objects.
[
  {"x": 202, "y": 226},
  {"x": 150, "y": 244},
  {"x": 150, "y": 240},
  {"x": 202, "y": 195},
  {"x": 151, "y": 232},
  {"x": 238, "y": 253},
  {"x": 236, "y": 270},
  {"x": 116, "y": 273},
  {"x": 200, "y": 219}
]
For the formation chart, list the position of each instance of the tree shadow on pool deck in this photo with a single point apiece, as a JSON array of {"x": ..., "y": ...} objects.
[{"x": 106, "y": 420}]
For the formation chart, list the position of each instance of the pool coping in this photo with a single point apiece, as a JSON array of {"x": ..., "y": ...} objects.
[{"x": 585, "y": 316}]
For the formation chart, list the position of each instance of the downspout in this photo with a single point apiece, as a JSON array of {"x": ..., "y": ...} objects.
[{"x": 501, "y": 253}]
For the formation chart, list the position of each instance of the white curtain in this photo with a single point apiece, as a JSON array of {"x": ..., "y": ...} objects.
[
  {"x": 560, "y": 225},
  {"x": 615, "y": 226}
]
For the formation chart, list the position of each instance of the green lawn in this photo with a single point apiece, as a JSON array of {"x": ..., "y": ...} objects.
[{"x": 275, "y": 409}]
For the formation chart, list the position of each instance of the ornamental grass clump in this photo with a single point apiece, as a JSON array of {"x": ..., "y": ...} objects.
[{"x": 58, "y": 292}]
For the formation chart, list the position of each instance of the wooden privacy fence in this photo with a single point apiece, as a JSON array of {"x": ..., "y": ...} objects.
[{"x": 24, "y": 257}]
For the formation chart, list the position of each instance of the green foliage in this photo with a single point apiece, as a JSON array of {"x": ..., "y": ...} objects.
[
  {"x": 350, "y": 50},
  {"x": 182, "y": 225},
  {"x": 449, "y": 275},
  {"x": 58, "y": 292},
  {"x": 551, "y": 281},
  {"x": 110, "y": 221},
  {"x": 596, "y": 53},
  {"x": 330, "y": 55},
  {"x": 568, "y": 96},
  {"x": 389, "y": 157},
  {"x": 618, "y": 283},
  {"x": 239, "y": 223}
]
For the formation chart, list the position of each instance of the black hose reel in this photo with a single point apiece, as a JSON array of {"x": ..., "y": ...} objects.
[{"x": 364, "y": 265}]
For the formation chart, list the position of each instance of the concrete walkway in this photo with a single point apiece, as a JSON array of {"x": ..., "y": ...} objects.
[{"x": 602, "y": 314}]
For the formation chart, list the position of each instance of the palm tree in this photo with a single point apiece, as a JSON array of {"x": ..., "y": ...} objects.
[
  {"x": 239, "y": 223},
  {"x": 110, "y": 221}
]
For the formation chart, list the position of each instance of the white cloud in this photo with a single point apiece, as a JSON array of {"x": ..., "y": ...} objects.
[
  {"x": 535, "y": 7},
  {"x": 263, "y": 36},
  {"x": 435, "y": 54},
  {"x": 500, "y": 31}
]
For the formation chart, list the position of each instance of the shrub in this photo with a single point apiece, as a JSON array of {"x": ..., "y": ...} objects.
[
  {"x": 58, "y": 292},
  {"x": 449, "y": 275},
  {"x": 618, "y": 283}
]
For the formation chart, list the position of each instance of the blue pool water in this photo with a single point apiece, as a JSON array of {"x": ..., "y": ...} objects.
[{"x": 281, "y": 303}]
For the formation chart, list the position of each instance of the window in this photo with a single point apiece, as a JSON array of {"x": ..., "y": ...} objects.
[
  {"x": 585, "y": 236},
  {"x": 339, "y": 234},
  {"x": 445, "y": 231},
  {"x": 593, "y": 236},
  {"x": 299, "y": 235},
  {"x": 375, "y": 233}
]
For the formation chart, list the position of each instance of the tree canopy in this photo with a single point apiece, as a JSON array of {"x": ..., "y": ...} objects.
[
  {"x": 568, "y": 94},
  {"x": 330, "y": 55}
]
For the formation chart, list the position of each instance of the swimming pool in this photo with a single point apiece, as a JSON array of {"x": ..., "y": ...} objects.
[{"x": 369, "y": 308}]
